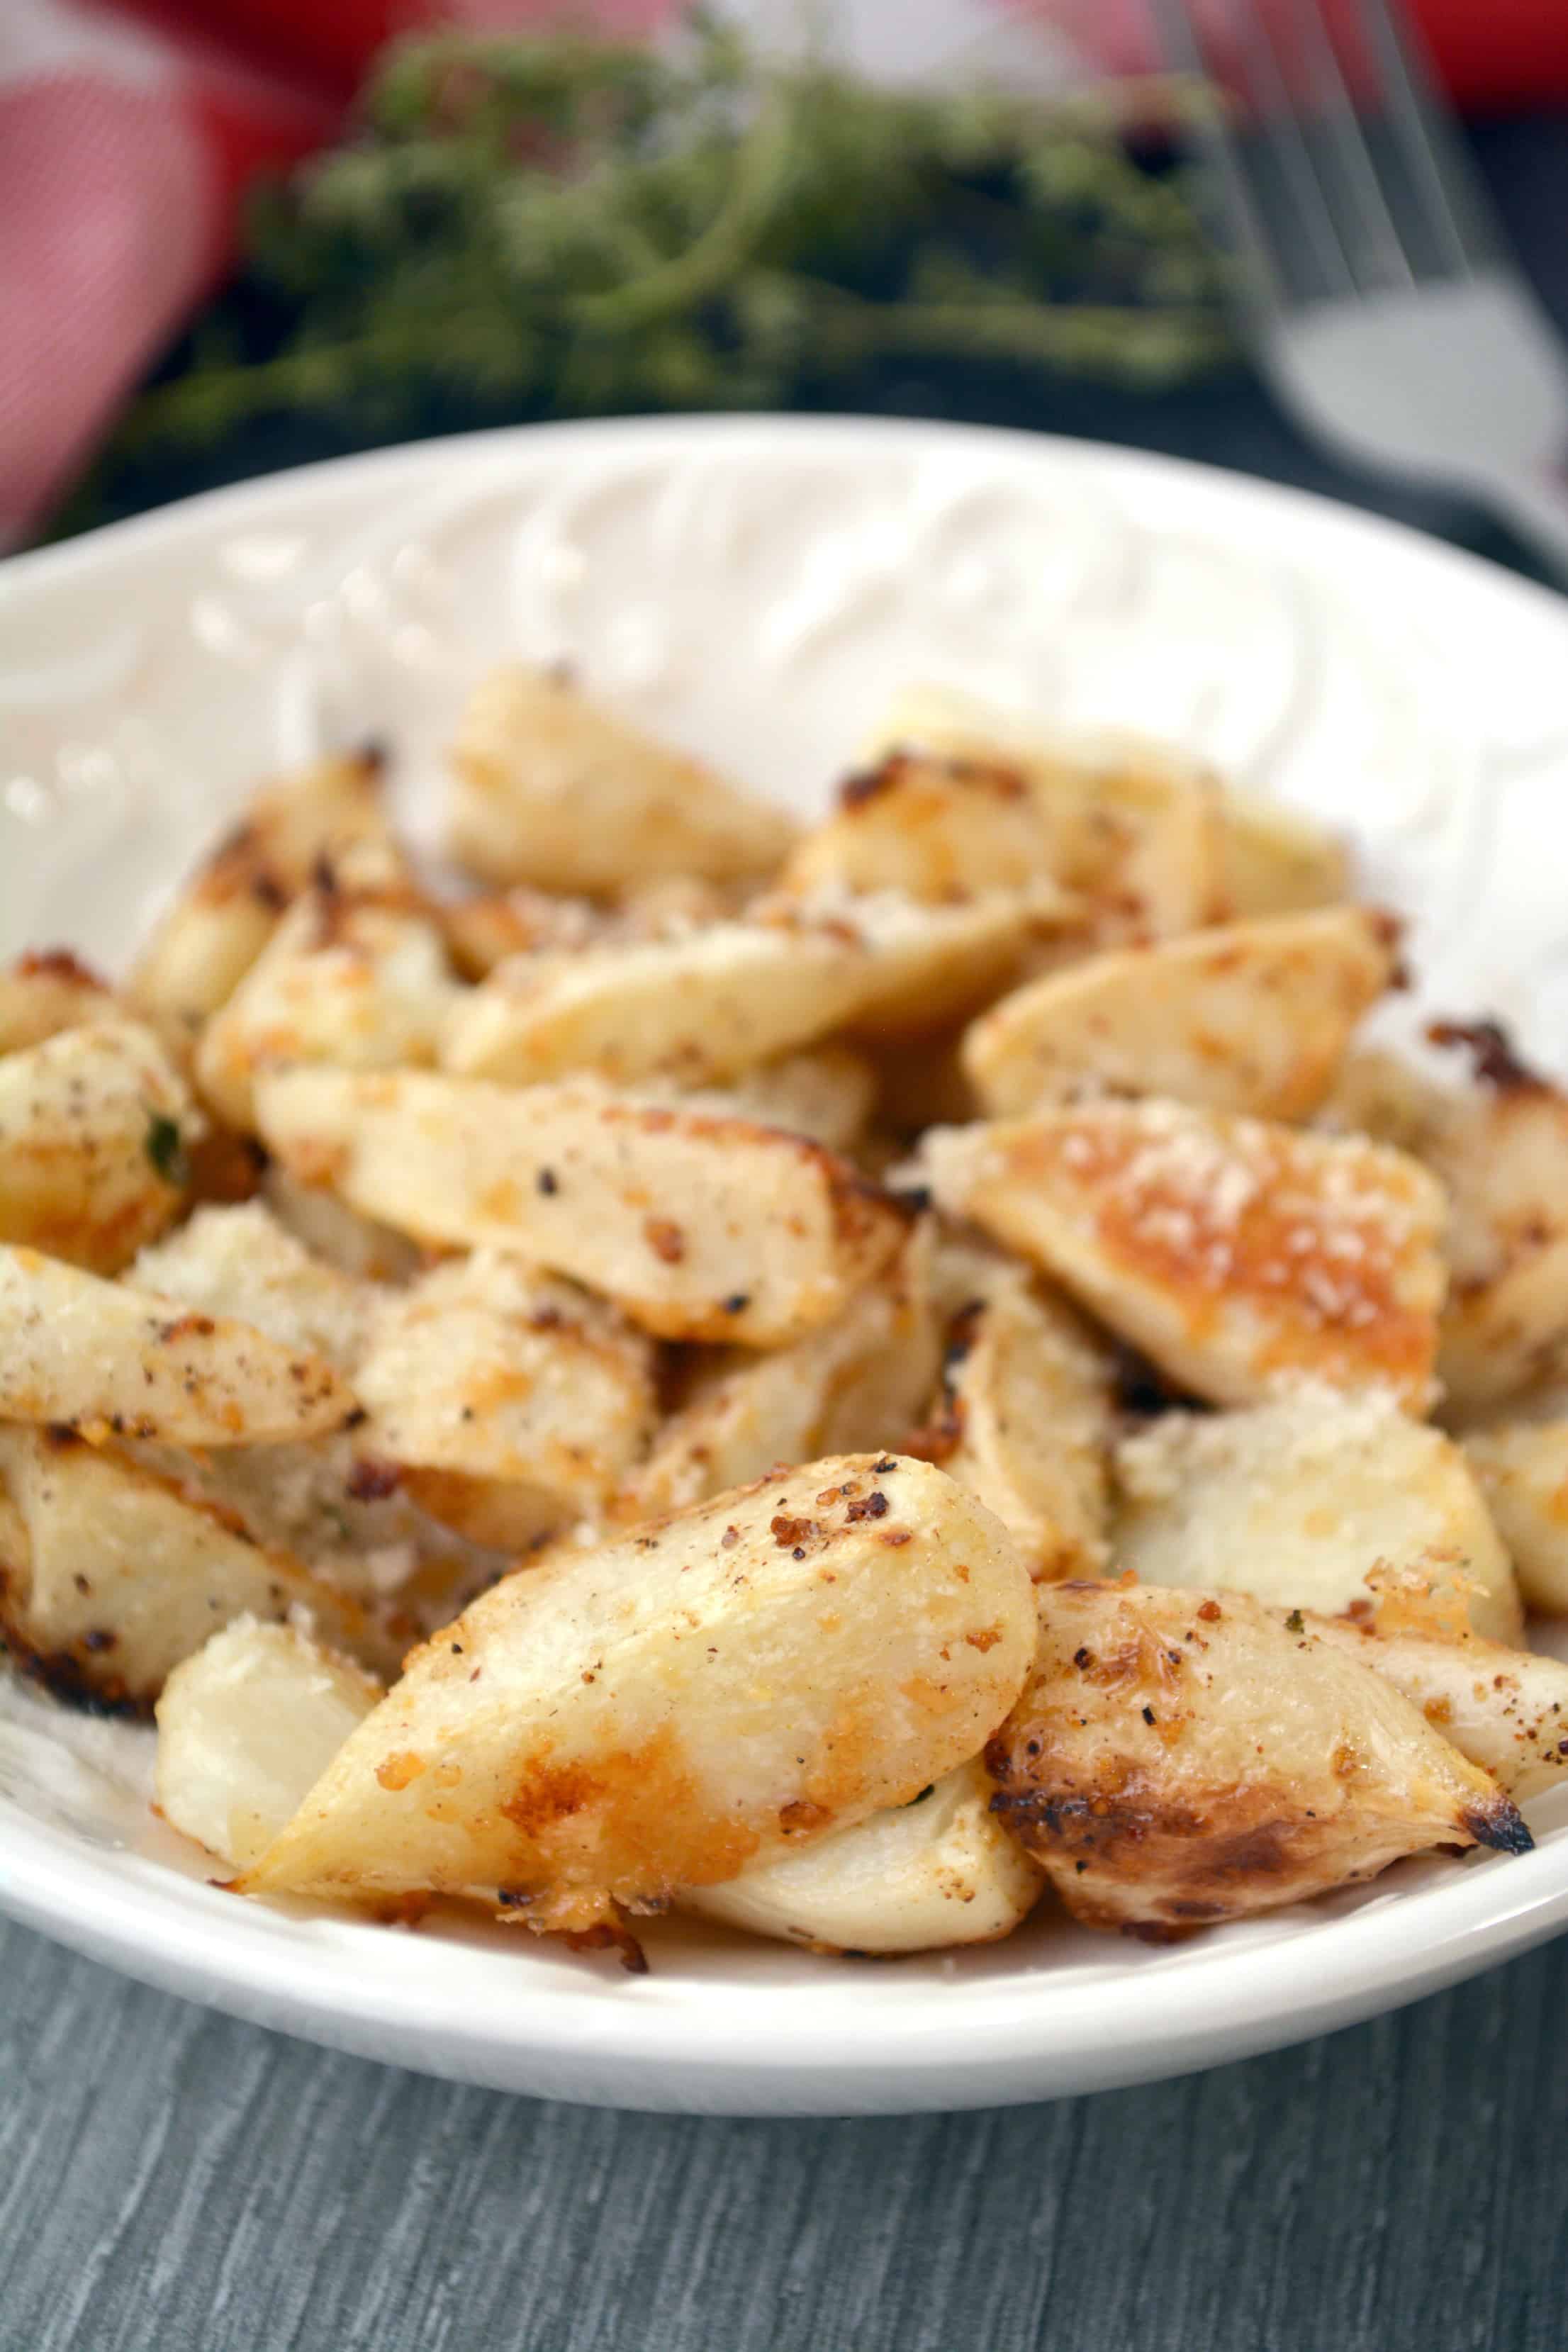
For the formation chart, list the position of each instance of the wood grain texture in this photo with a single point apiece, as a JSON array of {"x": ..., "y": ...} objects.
[{"x": 172, "y": 2179}]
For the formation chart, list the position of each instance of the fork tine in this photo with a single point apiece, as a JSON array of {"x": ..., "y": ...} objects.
[
  {"x": 1439, "y": 170},
  {"x": 1279, "y": 214},
  {"x": 1279, "y": 131},
  {"x": 1365, "y": 224}
]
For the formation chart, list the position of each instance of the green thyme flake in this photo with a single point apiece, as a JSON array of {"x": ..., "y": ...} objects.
[{"x": 165, "y": 1147}]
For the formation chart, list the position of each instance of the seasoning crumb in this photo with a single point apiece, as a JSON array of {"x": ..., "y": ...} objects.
[{"x": 792, "y": 1535}]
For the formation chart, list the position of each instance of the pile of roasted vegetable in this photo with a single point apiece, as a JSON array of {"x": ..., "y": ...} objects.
[{"x": 869, "y": 1368}]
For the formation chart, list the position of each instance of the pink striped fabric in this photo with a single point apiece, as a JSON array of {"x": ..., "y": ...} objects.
[{"x": 126, "y": 139}]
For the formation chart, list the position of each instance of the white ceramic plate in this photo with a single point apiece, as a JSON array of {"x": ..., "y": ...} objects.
[{"x": 757, "y": 587}]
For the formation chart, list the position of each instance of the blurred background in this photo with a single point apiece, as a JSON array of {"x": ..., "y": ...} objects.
[{"x": 240, "y": 234}]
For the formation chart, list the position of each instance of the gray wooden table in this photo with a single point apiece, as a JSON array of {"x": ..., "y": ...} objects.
[{"x": 171, "y": 2181}]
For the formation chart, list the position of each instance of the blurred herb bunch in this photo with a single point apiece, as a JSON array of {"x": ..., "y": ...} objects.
[{"x": 559, "y": 225}]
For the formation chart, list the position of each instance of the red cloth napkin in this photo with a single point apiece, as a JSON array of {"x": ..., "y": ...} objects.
[
  {"x": 127, "y": 136},
  {"x": 129, "y": 130}
]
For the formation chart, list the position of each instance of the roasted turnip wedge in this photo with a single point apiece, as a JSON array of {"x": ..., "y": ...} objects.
[
  {"x": 355, "y": 975},
  {"x": 1177, "y": 1759},
  {"x": 1023, "y": 1417},
  {"x": 245, "y": 1728},
  {"x": 242, "y": 1261},
  {"x": 483, "y": 931},
  {"x": 697, "y": 1009},
  {"x": 516, "y": 1401},
  {"x": 96, "y": 1127},
  {"x": 42, "y": 993},
  {"x": 619, "y": 1724},
  {"x": 827, "y": 1093},
  {"x": 1232, "y": 1251},
  {"x": 1503, "y": 1156},
  {"x": 956, "y": 796},
  {"x": 855, "y": 1382},
  {"x": 553, "y": 790},
  {"x": 1298, "y": 1500},
  {"x": 1506, "y": 1709},
  {"x": 1152, "y": 832},
  {"x": 228, "y": 910},
  {"x": 1501, "y": 1149},
  {"x": 1523, "y": 1470},
  {"x": 938, "y": 826},
  {"x": 1250, "y": 1017},
  {"x": 100, "y": 1357},
  {"x": 336, "y": 1236},
  {"x": 1275, "y": 861},
  {"x": 939, "y": 1871},
  {"x": 705, "y": 1005},
  {"x": 700, "y": 1228},
  {"x": 109, "y": 1576}
]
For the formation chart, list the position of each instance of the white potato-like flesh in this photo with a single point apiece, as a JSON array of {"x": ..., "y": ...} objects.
[
  {"x": 96, "y": 1125},
  {"x": 1505, "y": 1708},
  {"x": 1211, "y": 852},
  {"x": 1504, "y": 1158},
  {"x": 1179, "y": 1759},
  {"x": 1024, "y": 1417},
  {"x": 938, "y": 1872},
  {"x": 859, "y": 1381},
  {"x": 331, "y": 1506},
  {"x": 101, "y": 1357},
  {"x": 246, "y": 1727},
  {"x": 699, "y": 1228},
  {"x": 705, "y": 1005},
  {"x": 827, "y": 1093},
  {"x": 336, "y": 1236},
  {"x": 1500, "y": 1150},
  {"x": 1299, "y": 1499},
  {"x": 42, "y": 993},
  {"x": 484, "y": 931},
  {"x": 1235, "y": 1251},
  {"x": 328, "y": 1499},
  {"x": 1522, "y": 1467},
  {"x": 1130, "y": 826},
  {"x": 228, "y": 909},
  {"x": 1248, "y": 1017},
  {"x": 240, "y": 1260},
  {"x": 617, "y": 1724},
  {"x": 355, "y": 975},
  {"x": 552, "y": 789},
  {"x": 938, "y": 826},
  {"x": 530, "y": 1399},
  {"x": 112, "y": 1576},
  {"x": 698, "y": 1008},
  {"x": 1277, "y": 861}
]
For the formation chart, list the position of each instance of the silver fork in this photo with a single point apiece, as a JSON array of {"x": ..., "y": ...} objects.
[{"x": 1376, "y": 289}]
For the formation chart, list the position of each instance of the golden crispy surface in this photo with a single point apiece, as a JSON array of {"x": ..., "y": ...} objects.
[{"x": 1179, "y": 1759}]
